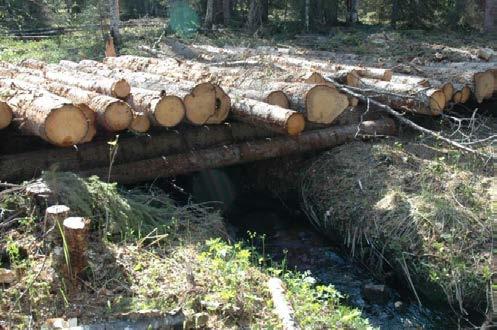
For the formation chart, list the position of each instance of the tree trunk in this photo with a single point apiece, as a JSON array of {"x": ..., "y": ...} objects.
[
  {"x": 113, "y": 114},
  {"x": 394, "y": 17},
  {"x": 27, "y": 165},
  {"x": 226, "y": 12},
  {"x": 76, "y": 239},
  {"x": 307, "y": 13},
  {"x": 53, "y": 118},
  {"x": 209, "y": 15},
  {"x": 114, "y": 22},
  {"x": 119, "y": 88},
  {"x": 352, "y": 14},
  {"x": 490, "y": 20},
  {"x": 254, "y": 20},
  {"x": 317, "y": 140}
]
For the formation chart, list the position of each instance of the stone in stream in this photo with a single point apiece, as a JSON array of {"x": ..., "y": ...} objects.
[
  {"x": 399, "y": 306},
  {"x": 375, "y": 293}
]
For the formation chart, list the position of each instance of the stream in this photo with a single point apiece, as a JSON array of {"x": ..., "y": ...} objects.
[{"x": 290, "y": 237}]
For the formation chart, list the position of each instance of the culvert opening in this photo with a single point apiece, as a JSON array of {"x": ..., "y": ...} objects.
[{"x": 277, "y": 227}]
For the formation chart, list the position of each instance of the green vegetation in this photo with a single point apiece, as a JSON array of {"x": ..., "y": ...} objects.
[
  {"x": 435, "y": 203},
  {"x": 183, "y": 262}
]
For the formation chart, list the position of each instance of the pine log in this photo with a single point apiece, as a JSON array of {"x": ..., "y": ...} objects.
[
  {"x": 317, "y": 79},
  {"x": 150, "y": 169},
  {"x": 320, "y": 104},
  {"x": 419, "y": 100},
  {"x": 281, "y": 306},
  {"x": 118, "y": 88},
  {"x": 162, "y": 110},
  {"x": 140, "y": 122},
  {"x": 446, "y": 87},
  {"x": 53, "y": 118},
  {"x": 478, "y": 76},
  {"x": 204, "y": 103},
  {"x": 5, "y": 113},
  {"x": 76, "y": 230},
  {"x": 272, "y": 117},
  {"x": 24, "y": 166},
  {"x": 54, "y": 217},
  {"x": 462, "y": 93},
  {"x": 113, "y": 114}
]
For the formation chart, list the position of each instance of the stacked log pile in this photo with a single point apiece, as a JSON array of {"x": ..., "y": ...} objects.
[{"x": 70, "y": 103}]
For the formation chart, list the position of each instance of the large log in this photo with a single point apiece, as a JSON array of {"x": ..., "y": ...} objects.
[
  {"x": 150, "y": 169},
  {"x": 24, "y": 166},
  {"x": 320, "y": 104},
  {"x": 118, "y": 88},
  {"x": 204, "y": 103},
  {"x": 446, "y": 87},
  {"x": 53, "y": 118},
  {"x": 426, "y": 101},
  {"x": 113, "y": 114}
]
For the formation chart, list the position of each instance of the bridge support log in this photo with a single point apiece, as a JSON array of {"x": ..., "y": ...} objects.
[{"x": 150, "y": 169}]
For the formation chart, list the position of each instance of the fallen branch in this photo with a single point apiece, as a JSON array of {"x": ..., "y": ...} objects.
[{"x": 408, "y": 122}]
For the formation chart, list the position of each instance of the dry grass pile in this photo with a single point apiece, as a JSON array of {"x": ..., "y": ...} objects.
[{"x": 418, "y": 210}]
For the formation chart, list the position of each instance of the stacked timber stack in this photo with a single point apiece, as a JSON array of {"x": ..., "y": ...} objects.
[{"x": 70, "y": 103}]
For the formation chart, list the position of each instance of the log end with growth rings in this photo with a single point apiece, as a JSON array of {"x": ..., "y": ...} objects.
[
  {"x": 140, "y": 123},
  {"x": 118, "y": 116},
  {"x": 223, "y": 107},
  {"x": 437, "y": 101},
  {"x": 91, "y": 119},
  {"x": 484, "y": 85},
  {"x": 169, "y": 111},
  {"x": 5, "y": 115},
  {"x": 200, "y": 104},
  {"x": 278, "y": 98},
  {"x": 121, "y": 89},
  {"x": 66, "y": 126},
  {"x": 324, "y": 104},
  {"x": 295, "y": 124}
]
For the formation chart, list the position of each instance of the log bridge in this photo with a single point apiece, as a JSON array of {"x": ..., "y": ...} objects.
[{"x": 175, "y": 117}]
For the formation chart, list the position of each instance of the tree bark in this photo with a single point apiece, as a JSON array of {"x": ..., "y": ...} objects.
[
  {"x": 317, "y": 140},
  {"x": 118, "y": 88},
  {"x": 53, "y": 118},
  {"x": 25, "y": 166},
  {"x": 54, "y": 217},
  {"x": 226, "y": 12},
  {"x": 272, "y": 117},
  {"x": 352, "y": 13},
  {"x": 254, "y": 20}
]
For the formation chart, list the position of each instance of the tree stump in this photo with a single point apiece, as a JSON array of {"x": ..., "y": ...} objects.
[
  {"x": 54, "y": 216},
  {"x": 76, "y": 231}
]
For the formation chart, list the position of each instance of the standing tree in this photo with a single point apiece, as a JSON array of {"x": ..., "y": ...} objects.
[
  {"x": 352, "y": 15},
  {"x": 226, "y": 12},
  {"x": 114, "y": 21},
  {"x": 256, "y": 15},
  {"x": 490, "y": 21},
  {"x": 209, "y": 14}
]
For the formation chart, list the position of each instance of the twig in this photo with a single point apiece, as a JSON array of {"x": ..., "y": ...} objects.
[{"x": 408, "y": 122}]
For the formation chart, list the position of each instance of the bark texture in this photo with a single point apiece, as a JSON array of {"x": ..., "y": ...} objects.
[{"x": 76, "y": 231}]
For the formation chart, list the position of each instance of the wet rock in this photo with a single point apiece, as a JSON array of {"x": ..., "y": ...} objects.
[
  {"x": 7, "y": 276},
  {"x": 400, "y": 306},
  {"x": 375, "y": 293}
]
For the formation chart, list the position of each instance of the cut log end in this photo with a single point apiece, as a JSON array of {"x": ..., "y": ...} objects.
[
  {"x": 66, "y": 126},
  {"x": 324, "y": 104},
  {"x": 223, "y": 106},
  {"x": 295, "y": 124},
  {"x": 484, "y": 85},
  {"x": 140, "y": 123},
  {"x": 5, "y": 115},
  {"x": 118, "y": 116},
  {"x": 278, "y": 98},
  {"x": 121, "y": 89},
  {"x": 200, "y": 104},
  {"x": 353, "y": 78},
  {"x": 169, "y": 111},
  {"x": 437, "y": 102},
  {"x": 91, "y": 118},
  {"x": 76, "y": 236},
  {"x": 315, "y": 78},
  {"x": 448, "y": 90}
]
